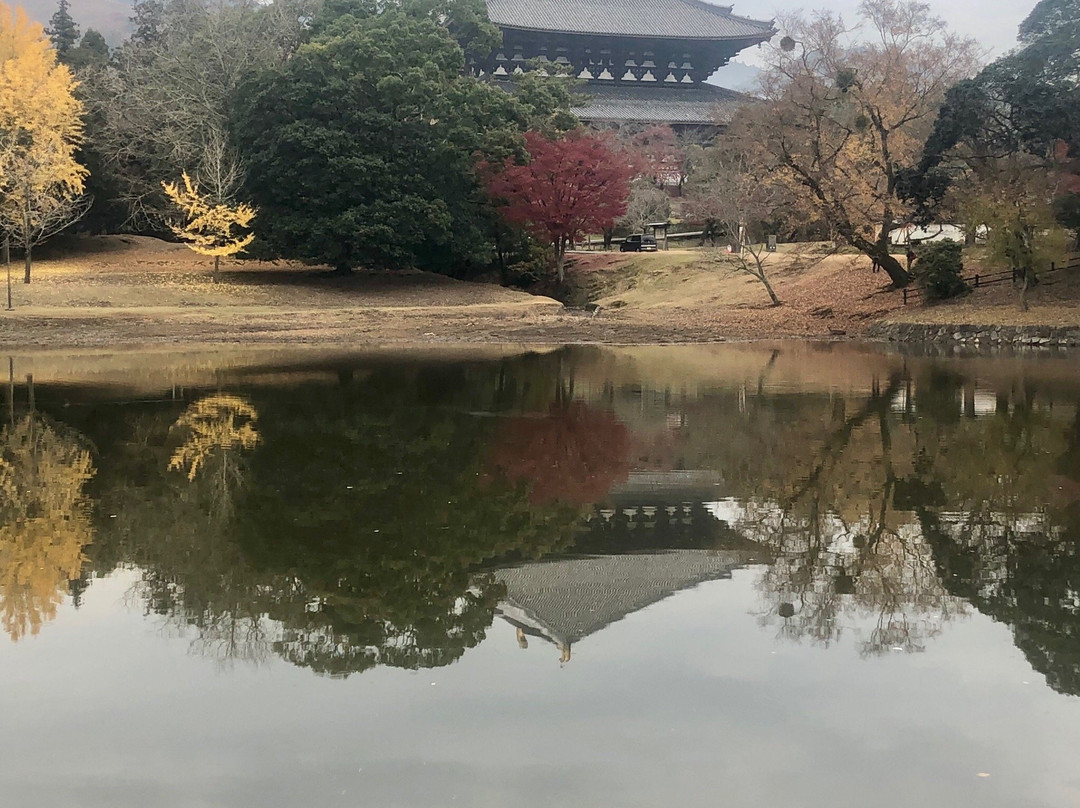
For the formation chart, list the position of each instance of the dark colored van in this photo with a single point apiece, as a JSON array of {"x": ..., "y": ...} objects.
[{"x": 638, "y": 243}]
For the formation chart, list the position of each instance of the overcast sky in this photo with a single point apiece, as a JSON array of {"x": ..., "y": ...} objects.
[{"x": 992, "y": 22}]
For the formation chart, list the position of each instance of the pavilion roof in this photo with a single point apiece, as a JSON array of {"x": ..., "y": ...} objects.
[
  {"x": 662, "y": 19},
  {"x": 703, "y": 104}
]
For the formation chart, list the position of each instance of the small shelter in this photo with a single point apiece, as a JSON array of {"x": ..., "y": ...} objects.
[{"x": 659, "y": 232}]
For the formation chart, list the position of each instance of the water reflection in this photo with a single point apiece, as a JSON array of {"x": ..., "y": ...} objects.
[
  {"x": 45, "y": 521},
  {"x": 387, "y": 513}
]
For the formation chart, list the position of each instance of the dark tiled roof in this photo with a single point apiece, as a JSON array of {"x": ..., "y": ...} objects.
[
  {"x": 658, "y": 103},
  {"x": 666, "y": 19}
]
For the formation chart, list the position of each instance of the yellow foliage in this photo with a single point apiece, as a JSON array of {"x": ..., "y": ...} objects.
[
  {"x": 40, "y": 118},
  {"x": 209, "y": 226},
  {"x": 215, "y": 424},
  {"x": 45, "y": 522}
]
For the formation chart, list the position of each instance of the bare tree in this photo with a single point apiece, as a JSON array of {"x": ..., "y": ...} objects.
[
  {"x": 161, "y": 106},
  {"x": 728, "y": 192},
  {"x": 34, "y": 214},
  {"x": 220, "y": 173},
  {"x": 647, "y": 204},
  {"x": 841, "y": 116}
]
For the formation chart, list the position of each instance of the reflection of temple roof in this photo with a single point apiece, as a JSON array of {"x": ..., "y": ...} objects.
[{"x": 569, "y": 599}]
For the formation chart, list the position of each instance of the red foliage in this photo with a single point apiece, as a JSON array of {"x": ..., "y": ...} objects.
[
  {"x": 573, "y": 455},
  {"x": 1067, "y": 169},
  {"x": 570, "y": 186}
]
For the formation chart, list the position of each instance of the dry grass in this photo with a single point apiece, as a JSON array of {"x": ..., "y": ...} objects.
[
  {"x": 821, "y": 294},
  {"x": 116, "y": 291}
]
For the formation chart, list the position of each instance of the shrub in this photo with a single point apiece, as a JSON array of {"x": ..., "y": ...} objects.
[{"x": 938, "y": 270}]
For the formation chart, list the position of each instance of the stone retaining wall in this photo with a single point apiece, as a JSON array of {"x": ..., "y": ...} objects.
[{"x": 1029, "y": 336}]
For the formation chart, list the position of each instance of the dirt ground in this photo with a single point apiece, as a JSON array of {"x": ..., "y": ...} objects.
[{"x": 134, "y": 291}]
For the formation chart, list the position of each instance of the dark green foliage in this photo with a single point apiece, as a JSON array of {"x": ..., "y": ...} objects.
[
  {"x": 1050, "y": 17},
  {"x": 148, "y": 17},
  {"x": 1023, "y": 103},
  {"x": 93, "y": 52},
  {"x": 361, "y": 149},
  {"x": 938, "y": 270},
  {"x": 1067, "y": 211},
  {"x": 466, "y": 20},
  {"x": 63, "y": 31}
]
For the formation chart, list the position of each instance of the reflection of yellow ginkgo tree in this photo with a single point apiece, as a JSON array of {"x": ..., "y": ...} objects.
[
  {"x": 217, "y": 428},
  {"x": 45, "y": 521}
]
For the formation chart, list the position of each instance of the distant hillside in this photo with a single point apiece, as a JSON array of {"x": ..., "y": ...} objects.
[
  {"x": 737, "y": 76},
  {"x": 110, "y": 17}
]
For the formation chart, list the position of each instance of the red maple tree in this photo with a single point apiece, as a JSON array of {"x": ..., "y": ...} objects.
[{"x": 571, "y": 185}]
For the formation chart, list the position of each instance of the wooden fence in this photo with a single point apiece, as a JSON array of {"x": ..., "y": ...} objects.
[{"x": 990, "y": 278}]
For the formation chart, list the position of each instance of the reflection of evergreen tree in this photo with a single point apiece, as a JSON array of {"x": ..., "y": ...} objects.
[
  {"x": 380, "y": 513},
  {"x": 361, "y": 529},
  {"x": 1000, "y": 542}
]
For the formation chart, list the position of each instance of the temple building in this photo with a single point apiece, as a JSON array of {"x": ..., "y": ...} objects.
[{"x": 643, "y": 61}]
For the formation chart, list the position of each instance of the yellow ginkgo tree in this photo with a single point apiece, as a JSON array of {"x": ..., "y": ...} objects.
[
  {"x": 210, "y": 227},
  {"x": 41, "y": 182}
]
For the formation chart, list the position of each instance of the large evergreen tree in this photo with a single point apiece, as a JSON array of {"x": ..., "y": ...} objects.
[
  {"x": 93, "y": 51},
  {"x": 1001, "y": 136},
  {"x": 63, "y": 31},
  {"x": 361, "y": 149}
]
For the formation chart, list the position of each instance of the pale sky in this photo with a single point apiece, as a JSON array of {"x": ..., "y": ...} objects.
[{"x": 992, "y": 23}]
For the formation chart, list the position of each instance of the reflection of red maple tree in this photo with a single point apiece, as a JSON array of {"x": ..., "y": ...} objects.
[{"x": 574, "y": 454}]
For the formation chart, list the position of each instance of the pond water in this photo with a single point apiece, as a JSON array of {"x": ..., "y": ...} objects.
[{"x": 748, "y": 575}]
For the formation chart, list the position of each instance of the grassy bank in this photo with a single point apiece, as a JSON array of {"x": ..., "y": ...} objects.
[{"x": 114, "y": 291}]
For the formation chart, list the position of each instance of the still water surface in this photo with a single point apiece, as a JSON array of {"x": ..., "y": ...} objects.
[{"x": 683, "y": 576}]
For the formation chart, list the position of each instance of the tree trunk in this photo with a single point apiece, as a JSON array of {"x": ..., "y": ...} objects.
[
  {"x": 7, "y": 266},
  {"x": 1029, "y": 281},
  {"x": 885, "y": 259},
  {"x": 26, "y": 238},
  {"x": 768, "y": 288},
  {"x": 500, "y": 253},
  {"x": 560, "y": 259}
]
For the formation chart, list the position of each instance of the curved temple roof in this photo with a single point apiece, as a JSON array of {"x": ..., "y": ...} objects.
[{"x": 662, "y": 19}]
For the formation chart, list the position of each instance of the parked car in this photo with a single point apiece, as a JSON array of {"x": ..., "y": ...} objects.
[{"x": 638, "y": 243}]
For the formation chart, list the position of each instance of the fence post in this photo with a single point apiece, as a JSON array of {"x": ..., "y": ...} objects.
[
  {"x": 905, "y": 297},
  {"x": 976, "y": 280}
]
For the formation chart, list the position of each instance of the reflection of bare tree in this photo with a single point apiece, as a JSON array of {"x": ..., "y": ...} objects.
[
  {"x": 46, "y": 521},
  {"x": 842, "y": 554},
  {"x": 218, "y": 428}
]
